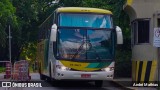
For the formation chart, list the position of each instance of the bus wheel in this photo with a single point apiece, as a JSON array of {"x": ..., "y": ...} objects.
[
  {"x": 52, "y": 80},
  {"x": 98, "y": 83},
  {"x": 41, "y": 76},
  {"x": 50, "y": 74}
]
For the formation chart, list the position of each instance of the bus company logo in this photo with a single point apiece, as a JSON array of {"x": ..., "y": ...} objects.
[{"x": 6, "y": 84}]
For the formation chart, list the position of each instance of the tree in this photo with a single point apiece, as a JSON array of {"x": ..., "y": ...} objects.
[
  {"x": 26, "y": 13},
  {"x": 7, "y": 16},
  {"x": 30, "y": 14}
]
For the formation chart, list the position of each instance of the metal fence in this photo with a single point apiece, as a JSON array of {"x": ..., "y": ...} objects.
[
  {"x": 18, "y": 72},
  {"x": 21, "y": 71}
]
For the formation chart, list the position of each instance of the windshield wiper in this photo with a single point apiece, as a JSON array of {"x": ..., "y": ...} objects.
[{"x": 81, "y": 46}]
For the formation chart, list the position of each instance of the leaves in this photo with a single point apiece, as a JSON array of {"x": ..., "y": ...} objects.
[
  {"x": 7, "y": 17},
  {"x": 29, "y": 51}
]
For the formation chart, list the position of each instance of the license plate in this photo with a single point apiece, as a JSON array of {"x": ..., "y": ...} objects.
[{"x": 85, "y": 75}]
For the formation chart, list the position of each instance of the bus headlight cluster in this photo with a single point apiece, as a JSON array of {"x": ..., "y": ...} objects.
[
  {"x": 108, "y": 69},
  {"x": 63, "y": 68}
]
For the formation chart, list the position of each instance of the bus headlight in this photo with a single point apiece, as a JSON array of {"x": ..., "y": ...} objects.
[
  {"x": 108, "y": 69},
  {"x": 63, "y": 68}
]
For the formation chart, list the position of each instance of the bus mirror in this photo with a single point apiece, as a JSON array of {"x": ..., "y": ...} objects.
[
  {"x": 119, "y": 35},
  {"x": 53, "y": 32}
]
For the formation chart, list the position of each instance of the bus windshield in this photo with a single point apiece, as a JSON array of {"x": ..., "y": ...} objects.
[
  {"x": 85, "y": 20},
  {"x": 85, "y": 44}
]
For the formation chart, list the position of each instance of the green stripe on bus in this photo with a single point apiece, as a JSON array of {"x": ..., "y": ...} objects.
[
  {"x": 99, "y": 65},
  {"x": 92, "y": 65},
  {"x": 103, "y": 64}
]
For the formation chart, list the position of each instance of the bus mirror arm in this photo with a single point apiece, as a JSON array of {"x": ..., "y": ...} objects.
[
  {"x": 119, "y": 35},
  {"x": 53, "y": 32}
]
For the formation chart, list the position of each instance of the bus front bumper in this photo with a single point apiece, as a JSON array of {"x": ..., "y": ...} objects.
[{"x": 81, "y": 75}]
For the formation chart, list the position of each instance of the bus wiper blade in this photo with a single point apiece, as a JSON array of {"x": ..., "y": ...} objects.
[{"x": 74, "y": 56}]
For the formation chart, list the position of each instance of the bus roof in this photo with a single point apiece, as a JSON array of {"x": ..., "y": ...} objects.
[{"x": 83, "y": 10}]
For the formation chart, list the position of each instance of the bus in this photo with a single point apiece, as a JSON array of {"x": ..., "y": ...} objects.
[{"x": 77, "y": 43}]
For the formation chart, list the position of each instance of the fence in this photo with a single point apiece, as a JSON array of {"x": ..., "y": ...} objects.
[
  {"x": 5, "y": 66},
  {"x": 21, "y": 71}
]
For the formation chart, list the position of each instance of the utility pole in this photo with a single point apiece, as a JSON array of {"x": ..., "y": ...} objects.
[
  {"x": 10, "y": 54},
  {"x": 9, "y": 37}
]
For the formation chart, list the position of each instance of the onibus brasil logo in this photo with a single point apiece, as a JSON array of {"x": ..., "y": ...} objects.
[{"x": 19, "y": 84}]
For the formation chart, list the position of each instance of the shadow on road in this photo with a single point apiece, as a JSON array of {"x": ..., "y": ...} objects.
[
  {"x": 82, "y": 85},
  {"x": 74, "y": 85}
]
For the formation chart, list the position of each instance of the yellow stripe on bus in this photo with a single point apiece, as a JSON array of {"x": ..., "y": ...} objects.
[
  {"x": 77, "y": 65},
  {"x": 83, "y": 10}
]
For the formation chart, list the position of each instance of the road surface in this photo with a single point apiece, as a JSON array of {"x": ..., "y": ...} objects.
[{"x": 68, "y": 85}]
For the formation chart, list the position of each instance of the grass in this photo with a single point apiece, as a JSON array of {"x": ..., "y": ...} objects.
[{"x": 2, "y": 69}]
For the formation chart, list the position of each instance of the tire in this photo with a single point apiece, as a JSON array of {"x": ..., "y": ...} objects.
[
  {"x": 41, "y": 76},
  {"x": 50, "y": 74},
  {"x": 52, "y": 80},
  {"x": 98, "y": 83}
]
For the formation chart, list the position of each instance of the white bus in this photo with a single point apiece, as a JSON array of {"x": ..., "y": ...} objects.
[{"x": 77, "y": 43}]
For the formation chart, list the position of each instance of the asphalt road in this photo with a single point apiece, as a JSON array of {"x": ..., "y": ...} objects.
[{"x": 68, "y": 85}]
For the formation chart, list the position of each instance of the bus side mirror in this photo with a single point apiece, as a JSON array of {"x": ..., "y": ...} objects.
[
  {"x": 53, "y": 32},
  {"x": 119, "y": 35}
]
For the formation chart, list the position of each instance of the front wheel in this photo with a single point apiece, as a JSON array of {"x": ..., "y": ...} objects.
[
  {"x": 42, "y": 77},
  {"x": 98, "y": 83},
  {"x": 50, "y": 79}
]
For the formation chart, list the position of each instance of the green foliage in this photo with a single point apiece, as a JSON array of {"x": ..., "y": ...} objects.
[
  {"x": 30, "y": 14},
  {"x": 29, "y": 52},
  {"x": 6, "y": 17},
  {"x": 70, "y": 3},
  {"x": 123, "y": 63},
  {"x": 2, "y": 69},
  {"x": 123, "y": 54},
  {"x": 26, "y": 12}
]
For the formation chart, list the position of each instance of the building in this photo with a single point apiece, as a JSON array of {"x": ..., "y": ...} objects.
[{"x": 144, "y": 18}]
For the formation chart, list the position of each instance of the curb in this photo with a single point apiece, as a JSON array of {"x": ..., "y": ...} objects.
[{"x": 124, "y": 87}]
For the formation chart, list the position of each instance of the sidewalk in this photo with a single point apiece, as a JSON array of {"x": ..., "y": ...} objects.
[
  {"x": 2, "y": 77},
  {"x": 127, "y": 83}
]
